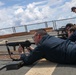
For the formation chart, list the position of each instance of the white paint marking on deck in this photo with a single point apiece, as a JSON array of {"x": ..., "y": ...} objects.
[{"x": 43, "y": 67}]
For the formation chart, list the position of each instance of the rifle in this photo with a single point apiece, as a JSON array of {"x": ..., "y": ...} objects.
[
  {"x": 62, "y": 33},
  {"x": 26, "y": 44}
]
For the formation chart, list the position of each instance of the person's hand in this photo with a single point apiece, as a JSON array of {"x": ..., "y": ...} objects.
[
  {"x": 20, "y": 49},
  {"x": 30, "y": 48}
]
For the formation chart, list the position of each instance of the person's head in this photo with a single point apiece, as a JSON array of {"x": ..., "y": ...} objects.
[
  {"x": 73, "y": 9},
  {"x": 38, "y": 35},
  {"x": 71, "y": 30},
  {"x": 69, "y": 25}
]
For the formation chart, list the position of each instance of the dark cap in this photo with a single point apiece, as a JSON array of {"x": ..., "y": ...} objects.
[{"x": 73, "y": 8}]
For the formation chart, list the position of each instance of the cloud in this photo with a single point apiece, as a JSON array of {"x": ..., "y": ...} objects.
[
  {"x": 20, "y": 10},
  {"x": 1, "y": 3},
  {"x": 35, "y": 12},
  {"x": 6, "y": 18},
  {"x": 54, "y": 2}
]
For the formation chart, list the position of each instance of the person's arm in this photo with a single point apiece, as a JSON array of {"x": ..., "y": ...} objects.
[
  {"x": 30, "y": 49},
  {"x": 35, "y": 55}
]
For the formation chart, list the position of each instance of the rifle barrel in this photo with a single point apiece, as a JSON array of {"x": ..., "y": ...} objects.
[{"x": 23, "y": 43}]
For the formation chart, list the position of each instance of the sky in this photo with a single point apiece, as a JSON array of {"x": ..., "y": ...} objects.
[{"x": 22, "y": 12}]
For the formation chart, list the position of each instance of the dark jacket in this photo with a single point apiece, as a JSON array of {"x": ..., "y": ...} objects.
[
  {"x": 53, "y": 49},
  {"x": 73, "y": 37}
]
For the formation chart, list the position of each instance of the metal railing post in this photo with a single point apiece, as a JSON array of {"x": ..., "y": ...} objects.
[
  {"x": 26, "y": 30},
  {"x": 14, "y": 30},
  {"x": 54, "y": 25},
  {"x": 46, "y": 25}
]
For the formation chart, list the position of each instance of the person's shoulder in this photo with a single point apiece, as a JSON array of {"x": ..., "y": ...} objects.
[{"x": 74, "y": 33}]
